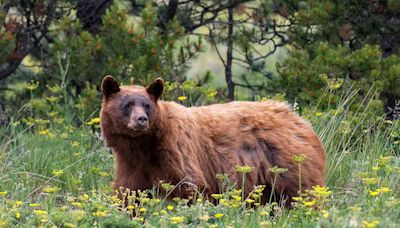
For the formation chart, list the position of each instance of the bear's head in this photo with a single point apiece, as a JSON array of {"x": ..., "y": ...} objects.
[{"x": 130, "y": 109}]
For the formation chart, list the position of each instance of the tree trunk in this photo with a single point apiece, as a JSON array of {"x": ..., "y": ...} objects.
[{"x": 229, "y": 57}]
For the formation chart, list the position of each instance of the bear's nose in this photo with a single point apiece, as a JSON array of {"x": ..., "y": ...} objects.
[{"x": 142, "y": 121}]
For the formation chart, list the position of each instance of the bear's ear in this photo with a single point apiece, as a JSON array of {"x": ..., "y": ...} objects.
[
  {"x": 109, "y": 86},
  {"x": 156, "y": 88}
]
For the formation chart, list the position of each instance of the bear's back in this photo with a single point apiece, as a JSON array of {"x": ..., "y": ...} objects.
[{"x": 259, "y": 134}]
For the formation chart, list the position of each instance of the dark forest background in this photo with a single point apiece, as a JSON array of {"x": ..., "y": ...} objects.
[{"x": 57, "y": 51}]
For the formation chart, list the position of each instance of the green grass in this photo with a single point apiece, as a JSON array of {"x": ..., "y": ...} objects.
[{"x": 57, "y": 174}]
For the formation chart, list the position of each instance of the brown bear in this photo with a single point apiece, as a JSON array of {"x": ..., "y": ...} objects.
[{"x": 156, "y": 140}]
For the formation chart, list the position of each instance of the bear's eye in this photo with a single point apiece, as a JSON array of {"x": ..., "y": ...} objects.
[
  {"x": 146, "y": 106},
  {"x": 129, "y": 104}
]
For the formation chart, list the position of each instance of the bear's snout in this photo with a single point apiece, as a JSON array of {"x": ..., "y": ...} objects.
[{"x": 142, "y": 122}]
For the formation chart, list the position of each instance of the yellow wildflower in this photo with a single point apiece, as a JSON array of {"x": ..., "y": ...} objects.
[
  {"x": 299, "y": 158},
  {"x": 3, "y": 193},
  {"x": 224, "y": 202},
  {"x": 375, "y": 168},
  {"x": 321, "y": 191},
  {"x": 52, "y": 99},
  {"x": 373, "y": 193},
  {"x": 43, "y": 221},
  {"x": 75, "y": 144},
  {"x": 170, "y": 207},
  {"x": 17, "y": 215},
  {"x": 237, "y": 198},
  {"x": 167, "y": 186},
  {"x": 44, "y": 132},
  {"x": 104, "y": 174},
  {"x": 145, "y": 200},
  {"x": 265, "y": 213},
  {"x": 85, "y": 197},
  {"x": 32, "y": 85},
  {"x": 54, "y": 89},
  {"x": 370, "y": 180},
  {"x": 219, "y": 215},
  {"x": 50, "y": 189},
  {"x": 40, "y": 213},
  {"x": 217, "y": 196},
  {"x": 259, "y": 188},
  {"x": 177, "y": 219},
  {"x": 100, "y": 214},
  {"x": 18, "y": 203},
  {"x": 94, "y": 121},
  {"x": 34, "y": 205},
  {"x": 298, "y": 199},
  {"x": 277, "y": 170},
  {"x": 319, "y": 113},
  {"x": 58, "y": 172},
  {"x": 182, "y": 98},
  {"x": 371, "y": 224},
  {"x": 130, "y": 207},
  {"x": 325, "y": 214},
  {"x": 140, "y": 219},
  {"x": 309, "y": 203},
  {"x": 334, "y": 83},
  {"x": 383, "y": 160},
  {"x": 244, "y": 169},
  {"x": 383, "y": 190},
  {"x": 142, "y": 209},
  {"x": 256, "y": 196},
  {"x": 236, "y": 204},
  {"x": 249, "y": 201}
]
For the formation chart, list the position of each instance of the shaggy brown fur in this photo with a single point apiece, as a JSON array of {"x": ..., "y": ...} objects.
[{"x": 195, "y": 144}]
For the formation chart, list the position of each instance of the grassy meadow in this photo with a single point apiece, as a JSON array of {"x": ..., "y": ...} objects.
[{"x": 56, "y": 173}]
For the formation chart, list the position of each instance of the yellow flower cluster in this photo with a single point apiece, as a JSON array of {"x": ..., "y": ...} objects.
[
  {"x": 277, "y": 170},
  {"x": 320, "y": 192},
  {"x": 94, "y": 121},
  {"x": 370, "y": 224},
  {"x": 182, "y": 98},
  {"x": 379, "y": 191},
  {"x": 100, "y": 214},
  {"x": 370, "y": 180},
  {"x": 177, "y": 219},
  {"x": 51, "y": 189},
  {"x": 299, "y": 158},
  {"x": 244, "y": 169},
  {"x": 46, "y": 132},
  {"x": 58, "y": 172}
]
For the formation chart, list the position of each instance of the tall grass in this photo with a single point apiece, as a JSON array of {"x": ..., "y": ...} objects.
[{"x": 63, "y": 177}]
